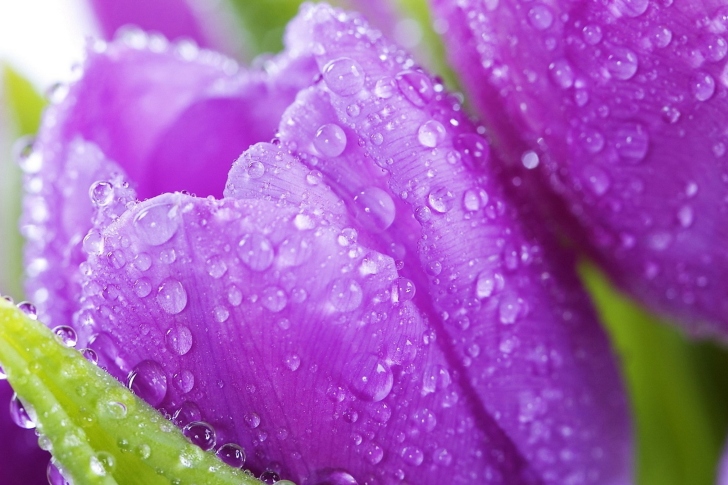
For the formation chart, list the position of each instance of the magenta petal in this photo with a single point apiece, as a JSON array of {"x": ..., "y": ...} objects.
[
  {"x": 622, "y": 103},
  {"x": 285, "y": 341},
  {"x": 172, "y": 18},
  {"x": 21, "y": 461},
  {"x": 511, "y": 310}
]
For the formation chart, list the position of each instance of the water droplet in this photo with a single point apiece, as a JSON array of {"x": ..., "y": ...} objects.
[
  {"x": 333, "y": 477},
  {"x": 232, "y": 455},
  {"x": 471, "y": 200},
  {"x": 143, "y": 261},
  {"x": 295, "y": 250},
  {"x": 157, "y": 224},
  {"x": 93, "y": 243},
  {"x": 596, "y": 179},
  {"x": 662, "y": 36},
  {"x": 274, "y": 299},
  {"x": 148, "y": 381},
  {"x": 562, "y": 73},
  {"x": 343, "y": 76},
  {"x": 441, "y": 200},
  {"x": 541, "y": 17},
  {"x": 592, "y": 140},
  {"x": 142, "y": 287},
  {"x": 442, "y": 457},
  {"x": 631, "y": 8},
  {"x": 412, "y": 455},
  {"x": 685, "y": 216},
  {"x": 179, "y": 339},
  {"x": 256, "y": 251},
  {"x": 423, "y": 214},
  {"x": 255, "y": 169},
  {"x": 530, "y": 160},
  {"x": 28, "y": 310},
  {"x": 592, "y": 34},
  {"x": 270, "y": 477},
  {"x": 374, "y": 209},
  {"x": 19, "y": 414},
  {"x": 403, "y": 289},
  {"x": 373, "y": 453},
  {"x": 216, "y": 267},
  {"x": 632, "y": 142},
  {"x": 385, "y": 88},
  {"x": 431, "y": 133},
  {"x": 252, "y": 419},
  {"x": 345, "y": 294},
  {"x": 172, "y": 296},
  {"x": 187, "y": 413},
  {"x": 330, "y": 140},
  {"x": 101, "y": 193},
  {"x": 293, "y": 362},
  {"x": 416, "y": 87},
  {"x": 622, "y": 63},
  {"x": 377, "y": 138},
  {"x": 235, "y": 296},
  {"x": 66, "y": 335},
  {"x": 474, "y": 149},
  {"x": 703, "y": 86},
  {"x": 370, "y": 378},
  {"x": 487, "y": 283},
  {"x": 102, "y": 463},
  {"x": 509, "y": 309},
  {"x": 184, "y": 380},
  {"x": 54, "y": 474},
  {"x": 200, "y": 434}
]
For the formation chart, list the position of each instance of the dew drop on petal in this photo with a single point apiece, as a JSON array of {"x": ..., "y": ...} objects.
[
  {"x": 172, "y": 296},
  {"x": 374, "y": 209},
  {"x": 232, "y": 455},
  {"x": 148, "y": 381},
  {"x": 540, "y": 17},
  {"x": 412, "y": 455},
  {"x": 200, "y": 434},
  {"x": 703, "y": 86},
  {"x": 370, "y": 378},
  {"x": 330, "y": 140},
  {"x": 157, "y": 224},
  {"x": 66, "y": 335},
  {"x": 101, "y": 193},
  {"x": 416, "y": 87},
  {"x": 179, "y": 339},
  {"x": 562, "y": 73},
  {"x": 345, "y": 294},
  {"x": 441, "y": 200},
  {"x": 256, "y": 251},
  {"x": 431, "y": 133},
  {"x": 343, "y": 76},
  {"x": 622, "y": 63},
  {"x": 274, "y": 299},
  {"x": 19, "y": 414},
  {"x": 403, "y": 289}
]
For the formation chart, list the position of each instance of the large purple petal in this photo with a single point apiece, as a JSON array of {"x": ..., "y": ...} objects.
[
  {"x": 172, "y": 18},
  {"x": 514, "y": 319},
  {"x": 622, "y": 105},
  {"x": 173, "y": 117},
  {"x": 254, "y": 318},
  {"x": 21, "y": 461}
]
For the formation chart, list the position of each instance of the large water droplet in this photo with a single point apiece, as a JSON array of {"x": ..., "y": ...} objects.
[
  {"x": 703, "y": 86},
  {"x": 473, "y": 148},
  {"x": 540, "y": 17},
  {"x": 373, "y": 453},
  {"x": 330, "y": 140},
  {"x": 622, "y": 63},
  {"x": 172, "y": 296},
  {"x": 374, "y": 209},
  {"x": 403, "y": 289},
  {"x": 157, "y": 224},
  {"x": 274, "y": 298},
  {"x": 343, "y": 76},
  {"x": 345, "y": 294},
  {"x": 385, "y": 88},
  {"x": 592, "y": 34},
  {"x": 66, "y": 335},
  {"x": 179, "y": 339},
  {"x": 232, "y": 454},
  {"x": 19, "y": 414},
  {"x": 416, "y": 87},
  {"x": 148, "y": 381},
  {"x": 431, "y": 133},
  {"x": 562, "y": 73},
  {"x": 412, "y": 455},
  {"x": 101, "y": 193},
  {"x": 256, "y": 251},
  {"x": 370, "y": 378},
  {"x": 200, "y": 434},
  {"x": 441, "y": 199}
]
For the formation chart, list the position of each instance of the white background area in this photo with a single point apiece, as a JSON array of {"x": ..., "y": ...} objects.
[{"x": 42, "y": 39}]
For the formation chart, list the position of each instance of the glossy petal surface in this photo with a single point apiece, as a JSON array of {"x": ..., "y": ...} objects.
[
  {"x": 172, "y": 116},
  {"x": 618, "y": 106}
]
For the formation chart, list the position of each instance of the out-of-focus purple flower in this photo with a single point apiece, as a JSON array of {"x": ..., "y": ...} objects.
[
  {"x": 365, "y": 304},
  {"x": 619, "y": 107}
]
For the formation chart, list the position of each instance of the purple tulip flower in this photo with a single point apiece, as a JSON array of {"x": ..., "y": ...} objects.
[
  {"x": 360, "y": 300},
  {"x": 618, "y": 106}
]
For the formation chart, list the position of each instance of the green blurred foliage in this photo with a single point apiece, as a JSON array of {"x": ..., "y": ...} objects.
[
  {"x": 263, "y": 22},
  {"x": 678, "y": 389},
  {"x": 23, "y": 107}
]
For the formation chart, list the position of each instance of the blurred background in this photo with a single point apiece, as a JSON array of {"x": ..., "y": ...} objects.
[{"x": 678, "y": 387}]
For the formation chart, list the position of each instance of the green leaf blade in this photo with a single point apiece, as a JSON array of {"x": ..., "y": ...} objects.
[{"x": 99, "y": 432}]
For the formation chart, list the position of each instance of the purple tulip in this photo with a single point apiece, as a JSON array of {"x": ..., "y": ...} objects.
[
  {"x": 618, "y": 107},
  {"x": 360, "y": 301}
]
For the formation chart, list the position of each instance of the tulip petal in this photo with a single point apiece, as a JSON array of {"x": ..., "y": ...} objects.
[
  {"x": 257, "y": 320},
  {"x": 511, "y": 306},
  {"x": 173, "y": 18},
  {"x": 622, "y": 103},
  {"x": 172, "y": 116}
]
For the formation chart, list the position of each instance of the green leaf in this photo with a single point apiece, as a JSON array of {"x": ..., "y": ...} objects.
[
  {"x": 678, "y": 390},
  {"x": 99, "y": 431},
  {"x": 23, "y": 108},
  {"x": 264, "y": 21}
]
